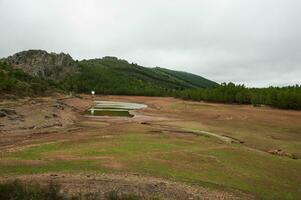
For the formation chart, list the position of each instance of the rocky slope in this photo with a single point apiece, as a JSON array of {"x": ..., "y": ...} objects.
[{"x": 39, "y": 63}]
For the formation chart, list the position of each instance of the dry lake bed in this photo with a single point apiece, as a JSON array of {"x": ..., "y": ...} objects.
[{"x": 163, "y": 147}]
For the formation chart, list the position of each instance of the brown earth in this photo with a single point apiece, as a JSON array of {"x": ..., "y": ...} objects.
[
  {"x": 143, "y": 186},
  {"x": 49, "y": 119}
]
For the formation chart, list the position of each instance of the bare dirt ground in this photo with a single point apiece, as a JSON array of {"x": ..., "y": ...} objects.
[
  {"x": 39, "y": 118},
  {"x": 143, "y": 186},
  {"x": 52, "y": 119}
]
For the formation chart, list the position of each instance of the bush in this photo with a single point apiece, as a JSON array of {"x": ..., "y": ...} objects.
[
  {"x": 15, "y": 81},
  {"x": 17, "y": 190}
]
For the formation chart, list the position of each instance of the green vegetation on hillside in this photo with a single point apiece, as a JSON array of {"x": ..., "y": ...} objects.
[
  {"x": 191, "y": 80},
  {"x": 14, "y": 81},
  {"x": 284, "y": 98},
  {"x": 110, "y": 75}
]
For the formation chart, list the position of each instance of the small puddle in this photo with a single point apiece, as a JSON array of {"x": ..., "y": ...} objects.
[{"x": 113, "y": 109}]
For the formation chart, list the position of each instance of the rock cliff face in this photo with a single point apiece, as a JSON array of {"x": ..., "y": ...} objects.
[{"x": 42, "y": 64}]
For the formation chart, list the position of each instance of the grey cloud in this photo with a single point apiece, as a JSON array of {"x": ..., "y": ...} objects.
[{"x": 254, "y": 42}]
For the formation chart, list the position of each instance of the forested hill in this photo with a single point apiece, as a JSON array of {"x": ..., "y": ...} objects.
[
  {"x": 191, "y": 79},
  {"x": 108, "y": 75},
  {"x": 111, "y": 75}
]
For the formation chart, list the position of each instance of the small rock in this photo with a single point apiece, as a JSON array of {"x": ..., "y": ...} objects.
[
  {"x": 280, "y": 152},
  {"x": 53, "y": 175},
  {"x": 295, "y": 157},
  {"x": 2, "y": 114},
  {"x": 13, "y": 117},
  {"x": 58, "y": 106},
  {"x": 58, "y": 124},
  {"x": 8, "y": 111}
]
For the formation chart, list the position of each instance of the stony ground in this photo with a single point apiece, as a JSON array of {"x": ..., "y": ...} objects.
[{"x": 143, "y": 186}]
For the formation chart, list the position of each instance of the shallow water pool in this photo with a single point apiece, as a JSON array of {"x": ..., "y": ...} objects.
[{"x": 113, "y": 108}]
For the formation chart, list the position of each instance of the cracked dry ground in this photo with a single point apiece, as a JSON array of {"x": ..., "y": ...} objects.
[{"x": 173, "y": 149}]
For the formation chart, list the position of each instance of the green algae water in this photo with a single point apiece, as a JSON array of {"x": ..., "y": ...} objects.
[{"x": 113, "y": 109}]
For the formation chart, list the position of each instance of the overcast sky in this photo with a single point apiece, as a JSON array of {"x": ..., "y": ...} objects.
[{"x": 256, "y": 42}]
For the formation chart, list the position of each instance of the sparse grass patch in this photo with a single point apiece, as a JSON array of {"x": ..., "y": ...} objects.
[{"x": 54, "y": 166}]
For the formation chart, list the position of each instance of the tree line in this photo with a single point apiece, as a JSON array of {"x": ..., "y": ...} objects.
[
  {"x": 106, "y": 81},
  {"x": 278, "y": 97}
]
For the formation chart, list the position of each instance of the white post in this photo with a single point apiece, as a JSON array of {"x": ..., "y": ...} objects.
[{"x": 92, "y": 111}]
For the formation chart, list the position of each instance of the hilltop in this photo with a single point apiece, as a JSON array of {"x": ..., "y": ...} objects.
[
  {"x": 107, "y": 75},
  {"x": 44, "y": 65}
]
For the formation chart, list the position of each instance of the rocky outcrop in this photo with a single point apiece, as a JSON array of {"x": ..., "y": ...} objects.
[{"x": 42, "y": 64}]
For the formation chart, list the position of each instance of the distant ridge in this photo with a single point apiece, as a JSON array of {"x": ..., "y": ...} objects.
[
  {"x": 107, "y": 75},
  {"x": 192, "y": 79}
]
